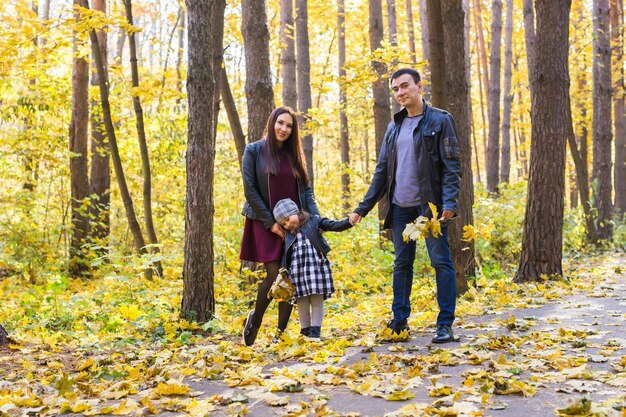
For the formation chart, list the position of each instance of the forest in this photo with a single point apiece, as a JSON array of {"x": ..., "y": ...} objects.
[{"x": 122, "y": 130}]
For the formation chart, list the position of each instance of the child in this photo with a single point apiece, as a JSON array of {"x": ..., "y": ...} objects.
[{"x": 305, "y": 258}]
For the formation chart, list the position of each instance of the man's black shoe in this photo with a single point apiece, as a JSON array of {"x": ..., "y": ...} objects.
[
  {"x": 249, "y": 331},
  {"x": 444, "y": 334},
  {"x": 397, "y": 328}
]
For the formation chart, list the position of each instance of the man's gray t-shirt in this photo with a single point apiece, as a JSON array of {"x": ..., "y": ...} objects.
[{"x": 406, "y": 190}]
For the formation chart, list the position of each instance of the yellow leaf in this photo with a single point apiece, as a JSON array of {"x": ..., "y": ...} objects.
[
  {"x": 469, "y": 233},
  {"x": 130, "y": 313},
  {"x": 168, "y": 388},
  {"x": 400, "y": 396},
  {"x": 581, "y": 406}
]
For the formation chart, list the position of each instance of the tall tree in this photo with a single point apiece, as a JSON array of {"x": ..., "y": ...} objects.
[
  {"x": 233, "y": 115},
  {"x": 602, "y": 135},
  {"x": 529, "y": 36},
  {"x": 143, "y": 143},
  {"x": 493, "y": 143},
  {"x": 380, "y": 88},
  {"x": 259, "y": 91},
  {"x": 425, "y": 48},
  {"x": 410, "y": 30},
  {"x": 344, "y": 143},
  {"x": 437, "y": 55},
  {"x": 205, "y": 55},
  {"x": 456, "y": 100},
  {"x": 79, "y": 128},
  {"x": 619, "y": 104},
  {"x": 288, "y": 54},
  {"x": 392, "y": 29},
  {"x": 482, "y": 70},
  {"x": 303, "y": 66},
  {"x": 4, "y": 336},
  {"x": 131, "y": 217},
  {"x": 100, "y": 181},
  {"x": 505, "y": 155},
  {"x": 542, "y": 241}
]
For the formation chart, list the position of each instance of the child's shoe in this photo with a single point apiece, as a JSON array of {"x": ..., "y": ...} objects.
[
  {"x": 305, "y": 331},
  {"x": 249, "y": 331},
  {"x": 276, "y": 338},
  {"x": 315, "y": 334}
]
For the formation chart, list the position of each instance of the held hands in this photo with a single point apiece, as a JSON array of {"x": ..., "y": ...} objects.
[
  {"x": 278, "y": 230},
  {"x": 354, "y": 218}
]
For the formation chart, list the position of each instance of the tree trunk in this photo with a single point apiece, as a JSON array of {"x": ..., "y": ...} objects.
[
  {"x": 4, "y": 336},
  {"x": 259, "y": 91},
  {"x": 542, "y": 242},
  {"x": 425, "y": 50},
  {"x": 206, "y": 31},
  {"x": 344, "y": 143},
  {"x": 380, "y": 92},
  {"x": 411, "y": 30},
  {"x": 288, "y": 54},
  {"x": 493, "y": 144},
  {"x": 457, "y": 102},
  {"x": 233, "y": 116},
  {"x": 100, "y": 185},
  {"x": 133, "y": 224},
  {"x": 179, "y": 55},
  {"x": 143, "y": 143},
  {"x": 79, "y": 128},
  {"x": 529, "y": 36},
  {"x": 505, "y": 164},
  {"x": 619, "y": 105},
  {"x": 602, "y": 135},
  {"x": 483, "y": 71},
  {"x": 303, "y": 64},
  {"x": 437, "y": 57},
  {"x": 392, "y": 28}
]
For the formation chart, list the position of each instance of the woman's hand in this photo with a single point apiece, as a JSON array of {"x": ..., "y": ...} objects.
[{"x": 277, "y": 229}]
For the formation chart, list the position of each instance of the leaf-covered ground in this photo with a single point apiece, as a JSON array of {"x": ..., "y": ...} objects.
[{"x": 118, "y": 348}]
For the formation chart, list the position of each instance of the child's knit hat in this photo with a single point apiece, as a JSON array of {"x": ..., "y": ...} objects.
[{"x": 284, "y": 209}]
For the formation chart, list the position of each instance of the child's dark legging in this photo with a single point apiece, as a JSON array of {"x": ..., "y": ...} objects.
[{"x": 262, "y": 302}]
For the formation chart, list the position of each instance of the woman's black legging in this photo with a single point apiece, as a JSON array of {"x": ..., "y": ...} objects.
[{"x": 262, "y": 302}]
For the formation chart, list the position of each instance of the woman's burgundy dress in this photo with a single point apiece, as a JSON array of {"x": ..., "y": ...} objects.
[{"x": 258, "y": 243}]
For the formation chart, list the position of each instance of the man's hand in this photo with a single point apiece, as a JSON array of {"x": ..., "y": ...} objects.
[
  {"x": 354, "y": 218},
  {"x": 277, "y": 229},
  {"x": 447, "y": 215}
]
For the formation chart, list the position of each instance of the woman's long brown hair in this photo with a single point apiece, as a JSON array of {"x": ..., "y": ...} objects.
[{"x": 292, "y": 146}]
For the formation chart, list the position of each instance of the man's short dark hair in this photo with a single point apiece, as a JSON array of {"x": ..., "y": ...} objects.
[{"x": 413, "y": 73}]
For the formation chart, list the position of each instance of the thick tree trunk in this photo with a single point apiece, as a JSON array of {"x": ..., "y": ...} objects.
[
  {"x": 505, "y": 155},
  {"x": 542, "y": 242},
  {"x": 344, "y": 143},
  {"x": 288, "y": 54},
  {"x": 206, "y": 31},
  {"x": 133, "y": 224},
  {"x": 619, "y": 105},
  {"x": 79, "y": 130},
  {"x": 233, "y": 115},
  {"x": 380, "y": 91},
  {"x": 457, "y": 102},
  {"x": 493, "y": 144},
  {"x": 437, "y": 57},
  {"x": 143, "y": 143},
  {"x": 100, "y": 184},
  {"x": 410, "y": 30},
  {"x": 259, "y": 91},
  {"x": 303, "y": 64},
  {"x": 602, "y": 135}
]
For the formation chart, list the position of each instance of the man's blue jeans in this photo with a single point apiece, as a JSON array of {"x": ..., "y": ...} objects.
[{"x": 440, "y": 259}]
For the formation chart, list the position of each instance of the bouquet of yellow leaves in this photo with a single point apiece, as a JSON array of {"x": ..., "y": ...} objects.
[
  {"x": 282, "y": 289},
  {"x": 422, "y": 226}
]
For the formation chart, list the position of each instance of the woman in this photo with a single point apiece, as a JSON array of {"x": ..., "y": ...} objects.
[{"x": 273, "y": 169}]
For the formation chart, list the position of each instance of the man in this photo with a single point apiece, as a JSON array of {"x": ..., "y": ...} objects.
[{"x": 419, "y": 163}]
